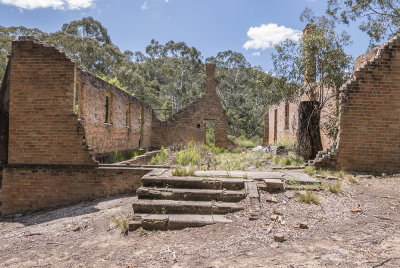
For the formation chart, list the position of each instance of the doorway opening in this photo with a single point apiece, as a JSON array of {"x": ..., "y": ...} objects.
[{"x": 210, "y": 132}]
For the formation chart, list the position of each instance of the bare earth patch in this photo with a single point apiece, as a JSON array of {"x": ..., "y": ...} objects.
[{"x": 84, "y": 235}]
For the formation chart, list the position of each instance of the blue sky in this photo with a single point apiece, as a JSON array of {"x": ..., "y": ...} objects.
[{"x": 247, "y": 26}]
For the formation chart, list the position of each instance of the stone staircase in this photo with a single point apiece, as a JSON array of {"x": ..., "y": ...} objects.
[{"x": 168, "y": 202}]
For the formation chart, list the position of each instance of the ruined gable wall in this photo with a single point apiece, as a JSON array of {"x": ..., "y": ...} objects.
[
  {"x": 188, "y": 123},
  {"x": 370, "y": 114},
  {"x": 115, "y": 135},
  {"x": 43, "y": 128}
]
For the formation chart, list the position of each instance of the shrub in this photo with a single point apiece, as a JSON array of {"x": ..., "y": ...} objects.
[
  {"x": 352, "y": 179},
  {"x": 309, "y": 197},
  {"x": 277, "y": 160},
  {"x": 335, "y": 188},
  {"x": 258, "y": 164},
  {"x": 183, "y": 171},
  {"x": 286, "y": 161},
  {"x": 160, "y": 158},
  {"x": 237, "y": 150},
  {"x": 242, "y": 141},
  {"x": 190, "y": 155}
]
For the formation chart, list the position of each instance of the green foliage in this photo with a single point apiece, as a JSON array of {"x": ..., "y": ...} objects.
[
  {"x": 160, "y": 158},
  {"x": 258, "y": 164},
  {"x": 122, "y": 224},
  {"x": 190, "y": 155},
  {"x": 289, "y": 143},
  {"x": 115, "y": 82},
  {"x": 243, "y": 142},
  {"x": 183, "y": 171},
  {"x": 210, "y": 133},
  {"x": 309, "y": 197},
  {"x": 310, "y": 170},
  {"x": 378, "y": 18},
  {"x": 335, "y": 188}
]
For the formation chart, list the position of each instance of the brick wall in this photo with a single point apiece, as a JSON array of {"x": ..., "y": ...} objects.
[
  {"x": 189, "y": 123},
  {"x": 29, "y": 187},
  {"x": 43, "y": 128},
  {"x": 4, "y": 113},
  {"x": 369, "y": 132},
  {"x": 281, "y": 123},
  {"x": 115, "y": 135},
  {"x": 286, "y": 127}
]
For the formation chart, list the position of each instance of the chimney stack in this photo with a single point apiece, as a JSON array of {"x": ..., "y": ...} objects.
[{"x": 211, "y": 81}]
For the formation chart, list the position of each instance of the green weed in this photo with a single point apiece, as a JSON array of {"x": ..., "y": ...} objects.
[
  {"x": 335, "y": 188},
  {"x": 183, "y": 171},
  {"x": 309, "y": 197}
]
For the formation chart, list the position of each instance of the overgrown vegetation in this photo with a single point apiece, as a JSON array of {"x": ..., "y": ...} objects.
[
  {"x": 119, "y": 156},
  {"x": 122, "y": 224},
  {"x": 289, "y": 143}
]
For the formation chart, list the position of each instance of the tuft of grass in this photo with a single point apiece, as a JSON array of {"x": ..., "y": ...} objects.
[
  {"x": 243, "y": 142},
  {"x": 258, "y": 164},
  {"x": 335, "y": 188},
  {"x": 183, "y": 171},
  {"x": 237, "y": 150},
  {"x": 245, "y": 176},
  {"x": 351, "y": 179},
  {"x": 143, "y": 233},
  {"x": 121, "y": 223},
  {"x": 277, "y": 160},
  {"x": 309, "y": 197},
  {"x": 190, "y": 155},
  {"x": 160, "y": 158},
  {"x": 340, "y": 174},
  {"x": 310, "y": 170},
  {"x": 286, "y": 161},
  {"x": 277, "y": 212}
]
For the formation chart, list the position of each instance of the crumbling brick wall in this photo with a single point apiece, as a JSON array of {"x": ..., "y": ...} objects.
[
  {"x": 281, "y": 122},
  {"x": 189, "y": 123},
  {"x": 370, "y": 114},
  {"x": 43, "y": 128},
  {"x": 125, "y": 127}
]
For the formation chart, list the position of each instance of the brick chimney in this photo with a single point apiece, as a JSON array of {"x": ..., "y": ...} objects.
[{"x": 211, "y": 81}]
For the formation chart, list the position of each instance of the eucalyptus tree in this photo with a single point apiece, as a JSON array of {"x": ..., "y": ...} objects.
[{"x": 380, "y": 19}]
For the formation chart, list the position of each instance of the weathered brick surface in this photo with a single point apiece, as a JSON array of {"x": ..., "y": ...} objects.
[
  {"x": 116, "y": 135},
  {"x": 4, "y": 113},
  {"x": 30, "y": 188},
  {"x": 370, "y": 114},
  {"x": 283, "y": 133},
  {"x": 43, "y": 128},
  {"x": 189, "y": 123}
]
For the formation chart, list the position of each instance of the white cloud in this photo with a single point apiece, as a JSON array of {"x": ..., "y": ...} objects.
[
  {"x": 267, "y": 35},
  {"x": 55, "y": 4},
  {"x": 144, "y": 6},
  {"x": 256, "y": 54},
  {"x": 166, "y": 1}
]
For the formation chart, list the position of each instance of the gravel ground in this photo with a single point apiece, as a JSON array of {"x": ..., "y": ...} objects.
[{"x": 84, "y": 235}]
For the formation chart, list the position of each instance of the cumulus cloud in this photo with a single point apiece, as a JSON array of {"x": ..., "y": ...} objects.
[
  {"x": 256, "y": 54},
  {"x": 55, "y": 4},
  {"x": 267, "y": 35}
]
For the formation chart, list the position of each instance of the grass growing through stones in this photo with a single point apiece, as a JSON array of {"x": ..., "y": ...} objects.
[
  {"x": 310, "y": 170},
  {"x": 335, "y": 188},
  {"x": 183, "y": 171},
  {"x": 351, "y": 179},
  {"x": 309, "y": 197}
]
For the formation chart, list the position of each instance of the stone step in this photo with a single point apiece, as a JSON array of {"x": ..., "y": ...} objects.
[
  {"x": 184, "y": 207},
  {"x": 190, "y": 194},
  {"x": 194, "y": 182},
  {"x": 179, "y": 221}
]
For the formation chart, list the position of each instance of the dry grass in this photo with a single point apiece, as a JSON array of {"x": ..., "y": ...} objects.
[
  {"x": 183, "y": 171},
  {"x": 335, "y": 188},
  {"x": 309, "y": 197}
]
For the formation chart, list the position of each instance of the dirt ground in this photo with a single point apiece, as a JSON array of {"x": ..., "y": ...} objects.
[{"x": 84, "y": 235}]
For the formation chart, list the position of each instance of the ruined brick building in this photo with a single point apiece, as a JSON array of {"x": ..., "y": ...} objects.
[
  {"x": 57, "y": 120},
  {"x": 369, "y": 116}
]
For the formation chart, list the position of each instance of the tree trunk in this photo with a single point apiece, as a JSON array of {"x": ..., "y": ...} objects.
[{"x": 308, "y": 134}]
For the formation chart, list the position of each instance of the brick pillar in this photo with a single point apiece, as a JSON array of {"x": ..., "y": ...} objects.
[
  {"x": 266, "y": 129},
  {"x": 211, "y": 82}
]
